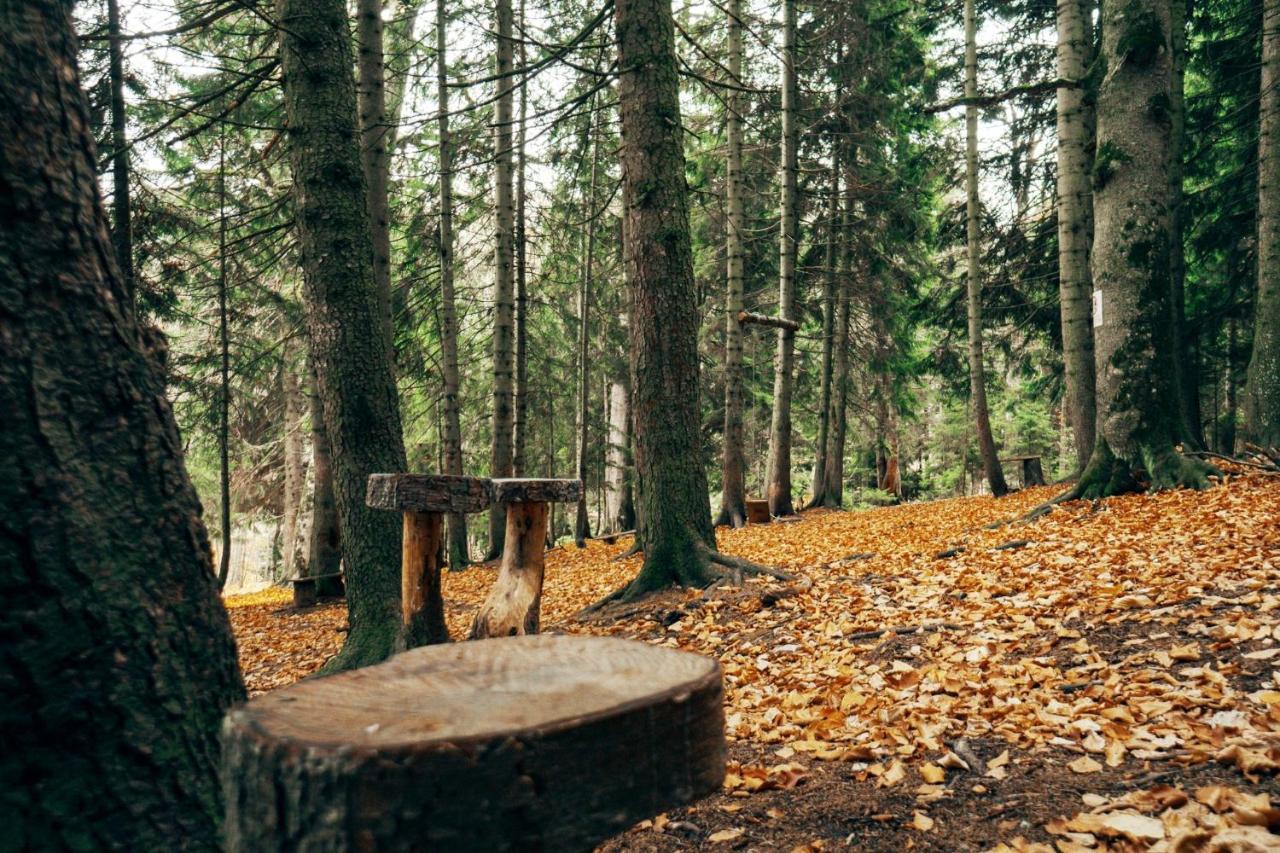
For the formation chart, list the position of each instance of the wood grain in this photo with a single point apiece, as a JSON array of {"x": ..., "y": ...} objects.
[
  {"x": 535, "y": 742},
  {"x": 514, "y": 602},
  {"x": 530, "y": 490},
  {"x": 427, "y": 493}
]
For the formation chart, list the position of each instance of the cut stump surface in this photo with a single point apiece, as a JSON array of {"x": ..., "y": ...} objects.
[{"x": 537, "y": 742}]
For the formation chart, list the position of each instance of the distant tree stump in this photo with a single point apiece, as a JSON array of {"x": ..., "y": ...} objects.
[
  {"x": 1032, "y": 472},
  {"x": 758, "y": 511},
  {"x": 527, "y": 743},
  {"x": 423, "y": 500},
  {"x": 514, "y": 603}
]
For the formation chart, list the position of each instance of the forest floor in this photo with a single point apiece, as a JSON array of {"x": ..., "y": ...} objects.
[{"x": 1104, "y": 677}]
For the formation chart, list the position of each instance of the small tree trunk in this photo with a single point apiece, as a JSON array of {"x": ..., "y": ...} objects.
[
  {"x": 514, "y": 604},
  {"x": 118, "y": 659},
  {"x": 675, "y": 519},
  {"x": 828, "y": 340},
  {"x": 421, "y": 599},
  {"x": 224, "y": 371},
  {"x": 348, "y": 336},
  {"x": 733, "y": 496},
  {"x": 520, "y": 422},
  {"x": 500, "y": 457},
  {"x": 375, "y": 150},
  {"x": 1074, "y": 227},
  {"x": 459, "y": 557},
  {"x": 294, "y": 469},
  {"x": 324, "y": 554},
  {"x": 122, "y": 222},
  {"x": 977, "y": 369},
  {"x": 1262, "y": 389},
  {"x": 582, "y": 524},
  {"x": 779, "y": 477}
]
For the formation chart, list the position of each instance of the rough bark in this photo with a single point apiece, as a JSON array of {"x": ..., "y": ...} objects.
[
  {"x": 674, "y": 516},
  {"x": 779, "y": 471},
  {"x": 500, "y": 451},
  {"x": 224, "y": 374},
  {"x": 294, "y": 467},
  {"x": 514, "y": 603},
  {"x": 520, "y": 419},
  {"x": 459, "y": 555},
  {"x": 121, "y": 200},
  {"x": 833, "y": 478},
  {"x": 324, "y": 553},
  {"x": 1262, "y": 388},
  {"x": 1137, "y": 403},
  {"x": 118, "y": 657},
  {"x": 421, "y": 598},
  {"x": 494, "y": 745},
  {"x": 374, "y": 148},
  {"x": 1074, "y": 227},
  {"x": 733, "y": 494},
  {"x": 620, "y": 506},
  {"x": 829, "y": 284},
  {"x": 349, "y": 341},
  {"x": 582, "y": 523},
  {"x": 973, "y": 279}
]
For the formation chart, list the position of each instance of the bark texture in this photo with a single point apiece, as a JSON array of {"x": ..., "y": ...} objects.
[
  {"x": 121, "y": 192},
  {"x": 528, "y": 743},
  {"x": 520, "y": 418},
  {"x": 118, "y": 658},
  {"x": 620, "y": 497},
  {"x": 733, "y": 494},
  {"x": 500, "y": 450},
  {"x": 779, "y": 476},
  {"x": 582, "y": 521},
  {"x": 674, "y": 517},
  {"x": 1262, "y": 389},
  {"x": 349, "y": 341},
  {"x": 459, "y": 555},
  {"x": 375, "y": 131},
  {"x": 1137, "y": 402},
  {"x": 324, "y": 552},
  {"x": 294, "y": 466},
  {"x": 513, "y": 605},
  {"x": 1075, "y": 227},
  {"x": 829, "y": 284},
  {"x": 973, "y": 279}
]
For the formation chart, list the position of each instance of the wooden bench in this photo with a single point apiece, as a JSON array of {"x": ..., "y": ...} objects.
[
  {"x": 1032, "y": 472},
  {"x": 424, "y": 500},
  {"x": 758, "y": 511},
  {"x": 306, "y": 591},
  {"x": 513, "y": 604},
  {"x": 525, "y": 743}
]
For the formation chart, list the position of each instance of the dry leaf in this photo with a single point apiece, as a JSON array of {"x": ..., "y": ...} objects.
[
  {"x": 922, "y": 821},
  {"x": 725, "y": 835},
  {"x": 1085, "y": 764}
]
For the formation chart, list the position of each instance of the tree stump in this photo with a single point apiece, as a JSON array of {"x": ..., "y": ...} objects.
[
  {"x": 527, "y": 743},
  {"x": 758, "y": 511},
  {"x": 512, "y": 605},
  {"x": 1032, "y": 471},
  {"x": 423, "y": 500}
]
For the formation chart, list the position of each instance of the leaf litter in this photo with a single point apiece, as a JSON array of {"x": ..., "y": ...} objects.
[{"x": 893, "y": 697}]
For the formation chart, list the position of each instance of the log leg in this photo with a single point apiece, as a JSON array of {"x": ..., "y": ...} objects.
[
  {"x": 1032, "y": 473},
  {"x": 512, "y": 605},
  {"x": 421, "y": 603}
]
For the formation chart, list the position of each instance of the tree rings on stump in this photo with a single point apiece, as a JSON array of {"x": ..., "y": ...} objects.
[{"x": 535, "y": 742}]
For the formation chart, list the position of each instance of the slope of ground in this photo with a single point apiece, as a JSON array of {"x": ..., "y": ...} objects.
[{"x": 1100, "y": 676}]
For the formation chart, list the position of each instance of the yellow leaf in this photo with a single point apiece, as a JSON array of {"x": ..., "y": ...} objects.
[
  {"x": 932, "y": 773},
  {"x": 1085, "y": 764},
  {"x": 922, "y": 821},
  {"x": 724, "y": 835}
]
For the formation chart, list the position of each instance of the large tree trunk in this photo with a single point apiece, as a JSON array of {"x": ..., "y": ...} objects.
[
  {"x": 118, "y": 657},
  {"x": 779, "y": 476},
  {"x": 520, "y": 419},
  {"x": 500, "y": 456},
  {"x": 122, "y": 212},
  {"x": 324, "y": 553},
  {"x": 829, "y": 284},
  {"x": 349, "y": 340},
  {"x": 582, "y": 523},
  {"x": 375, "y": 131},
  {"x": 1137, "y": 402},
  {"x": 973, "y": 283},
  {"x": 1262, "y": 389},
  {"x": 733, "y": 497},
  {"x": 458, "y": 553},
  {"x": 1074, "y": 227},
  {"x": 672, "y": 504},
  {"x": 294, "y": 468}
]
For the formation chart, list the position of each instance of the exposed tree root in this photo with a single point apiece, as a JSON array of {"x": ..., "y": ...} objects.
[
  {"x": 636, "y": 548},
  {"x": 740, "y": 567}
]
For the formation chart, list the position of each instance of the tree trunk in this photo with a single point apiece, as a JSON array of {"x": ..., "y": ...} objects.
[
  {"x": 374, "y": 147},
  {"x": 500, "y": 456},
  {"x": 294, "y": 469},
  {"x": 349, "y": 340},
  {"x": 620, "y": 508},
  {"x": 1074, "y": 227},
  {"x": 672, "y": 503},
  {"x": 122, "y": 213},
  {"x": 977, "y": 369},
  {"x": 224, "y": 371},
  {"x": 324, "y": 554},
  {"x": 1185, "y": 381},
  {"x": 1262, "y": 388},
  {"x": 1137, "y": 402},
  {"x": 733, "y": 496},
  {"x": 582, "y": 524},
  {"x": 459, "y": 556},
  {"x": 118, "y": 657},
  {"x": 520, "y": 421},
  {"x": 779, "y": 476},
  {"x": 829, "y": 283}
]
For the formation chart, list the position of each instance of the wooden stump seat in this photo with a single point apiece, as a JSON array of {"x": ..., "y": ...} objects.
[
  {"x": 424, "y": 500},
  {"x": 758, "y": 511},
  {"x": 513, "y": 604},
  {"x": 1032, "y": 471},
  {"x": 306, "y": 590},
  {"x": 525, "y": 743}
]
